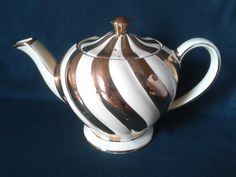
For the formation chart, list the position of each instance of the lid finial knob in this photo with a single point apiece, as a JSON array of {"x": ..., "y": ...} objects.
[{"x": 120, "y": 25}]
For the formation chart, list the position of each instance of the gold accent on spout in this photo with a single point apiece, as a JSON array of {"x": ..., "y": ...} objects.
[
  {"x": 57, "y": 80},
  {"x": 120, "y": 25},
  {"x": 28, "y": 41},
  {"x": 44, "y": 60}
]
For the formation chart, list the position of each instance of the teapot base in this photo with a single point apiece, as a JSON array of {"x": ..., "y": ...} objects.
[{"x": 115, "y": 147}]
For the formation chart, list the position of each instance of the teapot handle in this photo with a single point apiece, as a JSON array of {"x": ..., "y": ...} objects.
[{"x": 210, "y": 76}]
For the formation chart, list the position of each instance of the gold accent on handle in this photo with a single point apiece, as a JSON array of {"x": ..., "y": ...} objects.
[{"x": 120, "y": 25}]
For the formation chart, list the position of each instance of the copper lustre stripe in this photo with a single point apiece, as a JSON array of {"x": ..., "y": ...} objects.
[
  {"x": 90, "y": 40},
  {"x": 108, "y": 48},
  {"x": 109, "y": 94},
  {"x": 92, "y": 46},
  {"x": 142, "y": 46},
  {"x": 58, "y": 82},
  {"x": 147, "y": 78},
  {"x": 76, "y": 97},
  {"x": 171, "y": 63},
  {"x": 112, "y": 99}
]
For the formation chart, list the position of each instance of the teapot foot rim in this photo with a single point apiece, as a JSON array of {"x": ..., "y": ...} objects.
[{"x": 118, "y": 147}]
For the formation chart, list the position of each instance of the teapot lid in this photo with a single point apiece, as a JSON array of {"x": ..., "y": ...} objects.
[{"x": 119, "y": 44}]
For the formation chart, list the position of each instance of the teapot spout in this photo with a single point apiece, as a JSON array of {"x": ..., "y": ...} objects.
[{"x": 45, "y": 62}]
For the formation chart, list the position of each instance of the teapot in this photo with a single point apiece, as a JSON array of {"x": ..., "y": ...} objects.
[{"x": 120, "y": 84}]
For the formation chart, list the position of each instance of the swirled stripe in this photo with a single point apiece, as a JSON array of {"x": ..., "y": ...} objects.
[
  {"x": 151, "y": 83},
  {"x": 88, "y": 93},
  {"x": 109, "y": 94},
  {"x": 75, "y": 58}
]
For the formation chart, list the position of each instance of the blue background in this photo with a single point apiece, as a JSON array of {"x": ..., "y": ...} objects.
[{"x": 40, "y": 136}]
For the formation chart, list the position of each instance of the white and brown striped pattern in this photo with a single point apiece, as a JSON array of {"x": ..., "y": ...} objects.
[{"x": 119, "y": 84}]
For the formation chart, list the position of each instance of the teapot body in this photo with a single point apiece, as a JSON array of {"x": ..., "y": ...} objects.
[{"x": 120, "y": 99}]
